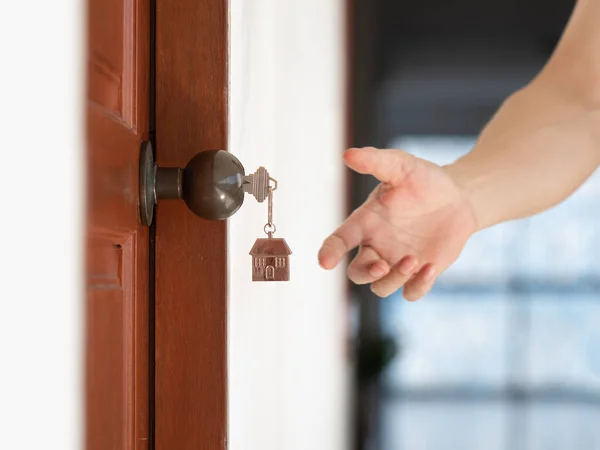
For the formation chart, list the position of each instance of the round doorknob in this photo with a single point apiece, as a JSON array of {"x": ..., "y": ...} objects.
[{"x": 211, "y": 184}]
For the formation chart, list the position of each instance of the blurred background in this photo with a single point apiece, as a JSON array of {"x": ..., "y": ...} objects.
[{"x": 504, "y": 353}]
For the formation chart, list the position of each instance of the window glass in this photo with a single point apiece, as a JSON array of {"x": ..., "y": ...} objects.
[{"x": 504, "y": 353}]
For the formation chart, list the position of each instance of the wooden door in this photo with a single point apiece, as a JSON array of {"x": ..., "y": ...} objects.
[
  {"x": 156, "y": 298},
  {"x": 117, "y": 109},
  {"x": 191, "y": 265}
]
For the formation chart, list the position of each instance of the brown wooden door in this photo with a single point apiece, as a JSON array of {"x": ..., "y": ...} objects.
[
  {"x": 191, "y": 263},
  {"x": 155, "y": 348},
  {"x": 117, "y": 362}
]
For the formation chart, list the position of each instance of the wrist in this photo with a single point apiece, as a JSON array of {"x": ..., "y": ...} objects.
[{"x": 470, "y": 183}]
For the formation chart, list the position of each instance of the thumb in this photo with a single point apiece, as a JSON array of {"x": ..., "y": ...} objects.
[{"x": 388, "y": 166}]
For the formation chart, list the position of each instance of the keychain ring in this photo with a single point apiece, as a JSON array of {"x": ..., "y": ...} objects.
[
  {"x": 274, "y": 187},
  {"x": 270, "y": 226}
]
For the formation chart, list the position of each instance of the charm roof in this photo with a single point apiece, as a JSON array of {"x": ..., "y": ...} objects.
[{"x": 270, "y": 247}]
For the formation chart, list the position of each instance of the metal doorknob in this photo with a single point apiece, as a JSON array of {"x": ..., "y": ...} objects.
[{"x": 211, "y": 184}]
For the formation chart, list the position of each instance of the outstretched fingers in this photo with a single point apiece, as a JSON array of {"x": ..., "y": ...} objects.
[
  {"x": 421, "y": 283},
  {"x": 367, "y": 266},
  {"x": 348, "y": 236},
  {"x": 399, "y": 274}
]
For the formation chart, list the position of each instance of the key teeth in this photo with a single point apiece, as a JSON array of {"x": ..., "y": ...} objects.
[{"x": 257, "y": 184}]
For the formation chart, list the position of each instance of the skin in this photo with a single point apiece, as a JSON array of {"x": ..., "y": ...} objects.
[{"x": 539, "y": 147}]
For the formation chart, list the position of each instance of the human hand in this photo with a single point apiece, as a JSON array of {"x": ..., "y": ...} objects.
[{"x": 411, "y": 228}]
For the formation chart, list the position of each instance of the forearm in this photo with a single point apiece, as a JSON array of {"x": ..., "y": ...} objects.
[
  {"x": 544, "y": 142},
  {"x": 508, "y": 178},
  {"x": 574, "y": 66}
]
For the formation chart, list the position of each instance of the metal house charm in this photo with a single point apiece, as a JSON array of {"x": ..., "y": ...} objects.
[
  {"x": 270, "y": 260},
  {"x": 270, "y": 256}
]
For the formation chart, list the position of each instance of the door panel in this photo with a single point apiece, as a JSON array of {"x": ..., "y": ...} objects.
[
  {"x": 113, "y": 59},
  {"x": 191, "y": 278},
  {"x": 112, "y": 342},
  {"x": 116, "y": 329}
]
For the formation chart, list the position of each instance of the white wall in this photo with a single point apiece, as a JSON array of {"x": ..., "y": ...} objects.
[
  {"x": 41, "y": 81},
  {"x": 287, "y": 349}
]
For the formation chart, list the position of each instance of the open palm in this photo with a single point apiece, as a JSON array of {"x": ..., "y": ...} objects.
[{"x": 412, "y": 227}]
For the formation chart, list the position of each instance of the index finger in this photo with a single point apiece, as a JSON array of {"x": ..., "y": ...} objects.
[{"x": 344, "y": 239}]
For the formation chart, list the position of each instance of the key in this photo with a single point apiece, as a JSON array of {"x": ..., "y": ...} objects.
[{"x": 257, "y": 184}]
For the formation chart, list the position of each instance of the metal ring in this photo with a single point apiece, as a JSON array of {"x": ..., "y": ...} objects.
[
  {"x": 271, "y": 225},
  {"x": 274, "y": 187}
]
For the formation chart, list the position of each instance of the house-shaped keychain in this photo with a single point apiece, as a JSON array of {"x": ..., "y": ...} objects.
[{"x": 270, "y": 260}]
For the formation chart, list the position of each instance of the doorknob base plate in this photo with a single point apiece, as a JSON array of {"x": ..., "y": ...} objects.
[{"x": 147, "y": 184}]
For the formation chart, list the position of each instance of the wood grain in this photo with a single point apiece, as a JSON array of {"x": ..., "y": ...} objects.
[
  {"x": 191, "y": 298},
  {"x": 116, "y": 329}
]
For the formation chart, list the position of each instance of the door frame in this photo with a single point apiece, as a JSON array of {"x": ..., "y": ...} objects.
[{"x": 190, "y": 47}]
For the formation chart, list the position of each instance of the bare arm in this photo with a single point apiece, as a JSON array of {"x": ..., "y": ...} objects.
[
  {"x": 541, "y": 145},
  {"x": 544, "y": 142}
]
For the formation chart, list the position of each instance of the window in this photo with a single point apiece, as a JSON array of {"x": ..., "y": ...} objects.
[
  {"x": 279, "y": 262},
  {"x": 506, "y": 347},
  {"x": 259, "y": 262}
]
